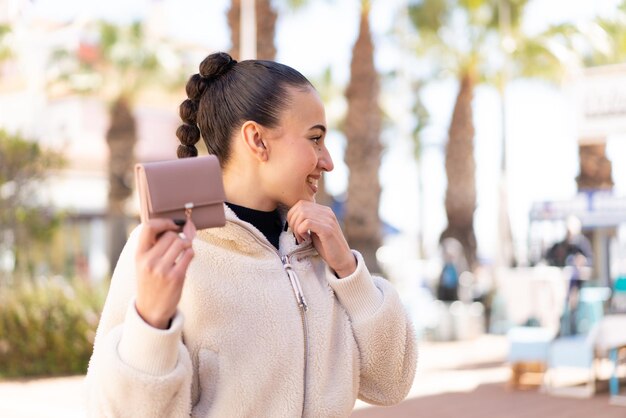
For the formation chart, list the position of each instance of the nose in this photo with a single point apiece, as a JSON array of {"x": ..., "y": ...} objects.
[{"x": 325, "y": 161}]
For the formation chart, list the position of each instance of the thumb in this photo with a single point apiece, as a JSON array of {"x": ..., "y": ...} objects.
[{"x": 189, "y": 230}]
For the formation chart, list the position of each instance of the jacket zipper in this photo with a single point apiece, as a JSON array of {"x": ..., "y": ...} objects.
[
  {"x": 299, "y": 295},
  {"x": 297, "y": 291}
]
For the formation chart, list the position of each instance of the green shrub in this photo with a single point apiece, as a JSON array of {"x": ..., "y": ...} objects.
[{"x": 47, "y": 326}]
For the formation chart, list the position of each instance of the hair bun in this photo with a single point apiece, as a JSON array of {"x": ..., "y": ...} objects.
[
  {"x": 216, "y": 64},
  {"x": 196, "y": 86},
  {"x": 188, "y": 111},
  {"x": 186, "y": 151},
  {"x": 188, "y": 134}
]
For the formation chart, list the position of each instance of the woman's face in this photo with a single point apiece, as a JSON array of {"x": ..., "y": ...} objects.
[{"x": 296, "y": 149}]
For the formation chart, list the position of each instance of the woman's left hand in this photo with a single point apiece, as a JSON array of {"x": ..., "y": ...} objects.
[{"x": 320, "y": 221}]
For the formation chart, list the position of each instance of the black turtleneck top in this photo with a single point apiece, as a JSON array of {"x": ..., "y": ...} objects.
[{"x": 269, "y": 223}]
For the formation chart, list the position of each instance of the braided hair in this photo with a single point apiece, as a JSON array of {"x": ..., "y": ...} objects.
[{"x": 226, "y": 93}]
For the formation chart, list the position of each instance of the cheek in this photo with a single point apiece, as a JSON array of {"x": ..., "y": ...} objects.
[
  {"x": 303, "y": 161},
  {"x": 306, "y": 169},
  {"x": 297, "y": 164},
  {"x": 313, "y": 157}
]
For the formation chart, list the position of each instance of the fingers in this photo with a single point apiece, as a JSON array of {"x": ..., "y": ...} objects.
[
  {"x": 175, "y": 250},
  {"x": 151, "y": 231},
  {"x": 180, "y": 268},
  {"x": 173, "y": 265},
  {"x": 162, "y": 260},
  {"x": 303, "y": 229},
  {"x": 295, "y": 225},
  {"x": 190, "y": 230},
  {"x": 321, "y": 223},
  {"x": 163, "y": 243},
  {"x": 306, "y": 217},
  {"x": 295, "y": 216},
  {"x": 169, "y": 248},
  {"x": 297, "y": 222}
]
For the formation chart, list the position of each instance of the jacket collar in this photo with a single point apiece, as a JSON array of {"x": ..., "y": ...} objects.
[{"x": 245, "y": 237}]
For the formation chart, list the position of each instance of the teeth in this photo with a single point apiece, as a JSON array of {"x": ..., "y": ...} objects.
[{"x": 312, "y": 181}]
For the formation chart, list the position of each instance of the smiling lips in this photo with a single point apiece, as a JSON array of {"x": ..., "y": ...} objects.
[{"x": 312, "y": 181}]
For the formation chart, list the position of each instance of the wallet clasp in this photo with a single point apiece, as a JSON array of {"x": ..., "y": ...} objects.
[{"x": 188, "y": 210}]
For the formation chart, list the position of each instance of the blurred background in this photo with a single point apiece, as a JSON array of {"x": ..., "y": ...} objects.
[{"x": 479, "y": 146}]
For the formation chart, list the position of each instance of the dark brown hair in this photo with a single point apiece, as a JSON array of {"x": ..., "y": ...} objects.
[{"x": 225, "y": 93}]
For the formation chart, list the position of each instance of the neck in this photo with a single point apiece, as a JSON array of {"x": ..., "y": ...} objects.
[{"x": 241, "y": 188}]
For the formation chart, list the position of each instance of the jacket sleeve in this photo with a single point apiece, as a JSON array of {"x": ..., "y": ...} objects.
[
  {"x": 136, "y": 370},
  {"x": 383, "y": 332}
]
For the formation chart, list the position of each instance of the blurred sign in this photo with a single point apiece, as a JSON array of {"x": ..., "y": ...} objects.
[
  {"x": 601, "y": 97},
  {"x": 594, "y": 209}
]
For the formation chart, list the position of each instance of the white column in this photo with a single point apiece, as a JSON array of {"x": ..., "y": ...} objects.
[{"x": 247, "y": 29}]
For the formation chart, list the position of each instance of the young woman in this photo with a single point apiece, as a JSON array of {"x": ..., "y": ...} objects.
[{"x": 272, "y": 315}]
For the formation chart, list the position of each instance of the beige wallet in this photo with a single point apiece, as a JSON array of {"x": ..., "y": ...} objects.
[{"x": 182, "y": 189}]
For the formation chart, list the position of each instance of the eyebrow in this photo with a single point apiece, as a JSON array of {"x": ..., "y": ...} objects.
[{"x": 322, "y": 127}]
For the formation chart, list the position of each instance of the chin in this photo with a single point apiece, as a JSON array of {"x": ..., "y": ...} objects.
[{"x": 291, "y": 202}]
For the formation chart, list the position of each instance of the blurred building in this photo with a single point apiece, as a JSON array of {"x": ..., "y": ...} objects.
[
  {"x": 76, "y": 125},
  {"x": 600, "y": 94}
]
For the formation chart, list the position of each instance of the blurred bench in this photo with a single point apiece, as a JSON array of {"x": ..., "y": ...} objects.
[{"x": 540, "y": 353}]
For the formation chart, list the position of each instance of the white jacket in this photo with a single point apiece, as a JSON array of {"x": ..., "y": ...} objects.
[{"x": 240, "y": 344}]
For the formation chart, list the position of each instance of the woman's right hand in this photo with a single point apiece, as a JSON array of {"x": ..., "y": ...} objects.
[{"x": 161, "y": 261}]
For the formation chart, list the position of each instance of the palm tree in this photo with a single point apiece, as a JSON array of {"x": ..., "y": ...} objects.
[
  {"x": 363, "y": 150},
  {"x": 430, "y": 17},
  {"x": 610, "y": 45},
  {"x": 124, "y": 56},
  {"x": 118, "y": 66},
  {"x": 266, "y": 17},
  {"x": 459, "y": 36}
]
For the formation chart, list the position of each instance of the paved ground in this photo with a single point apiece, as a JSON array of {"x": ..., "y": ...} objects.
[
  {"x": 469, "y": 380},
  {"x": 494, "y": 401},
  {"x": 461, "y": 379},
  {"x": 42, "y": 398}
]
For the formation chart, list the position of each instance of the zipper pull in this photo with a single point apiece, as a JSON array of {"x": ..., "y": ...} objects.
[{"x": 295, "y": 283}]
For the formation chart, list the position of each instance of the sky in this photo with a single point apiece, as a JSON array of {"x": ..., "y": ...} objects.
[{"x": 541, "y": 136}]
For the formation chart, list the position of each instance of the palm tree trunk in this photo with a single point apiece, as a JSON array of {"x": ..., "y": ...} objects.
[
  {"x": 121, "y": 138},
  {"x": 595, "y": 167},
  {"x": 265, "y": 27},
  {"x": 265, "y": 30},
  {"x": 460, "y": 199},
  {"x": 363, "y": 151},
  {"x": 234, "y": 23}
]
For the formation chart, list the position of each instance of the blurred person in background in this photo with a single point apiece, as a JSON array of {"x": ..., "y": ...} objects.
[
  {"x": 574, "y": 253},
  {"x": 454, "y": 265},
  {"x": 578, "y": 274},
  {"x": 234, "y": 341},
  {"x": 573, "y": 243}
]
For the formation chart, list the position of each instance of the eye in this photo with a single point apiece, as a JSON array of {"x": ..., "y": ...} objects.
[{"x": 316, "y": 139}]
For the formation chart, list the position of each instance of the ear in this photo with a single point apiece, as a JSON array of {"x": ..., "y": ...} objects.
[{"x": 251, "y": 133}]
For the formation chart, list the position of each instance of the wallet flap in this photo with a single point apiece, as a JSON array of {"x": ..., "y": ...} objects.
[{"x": 171, "y": 184}]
